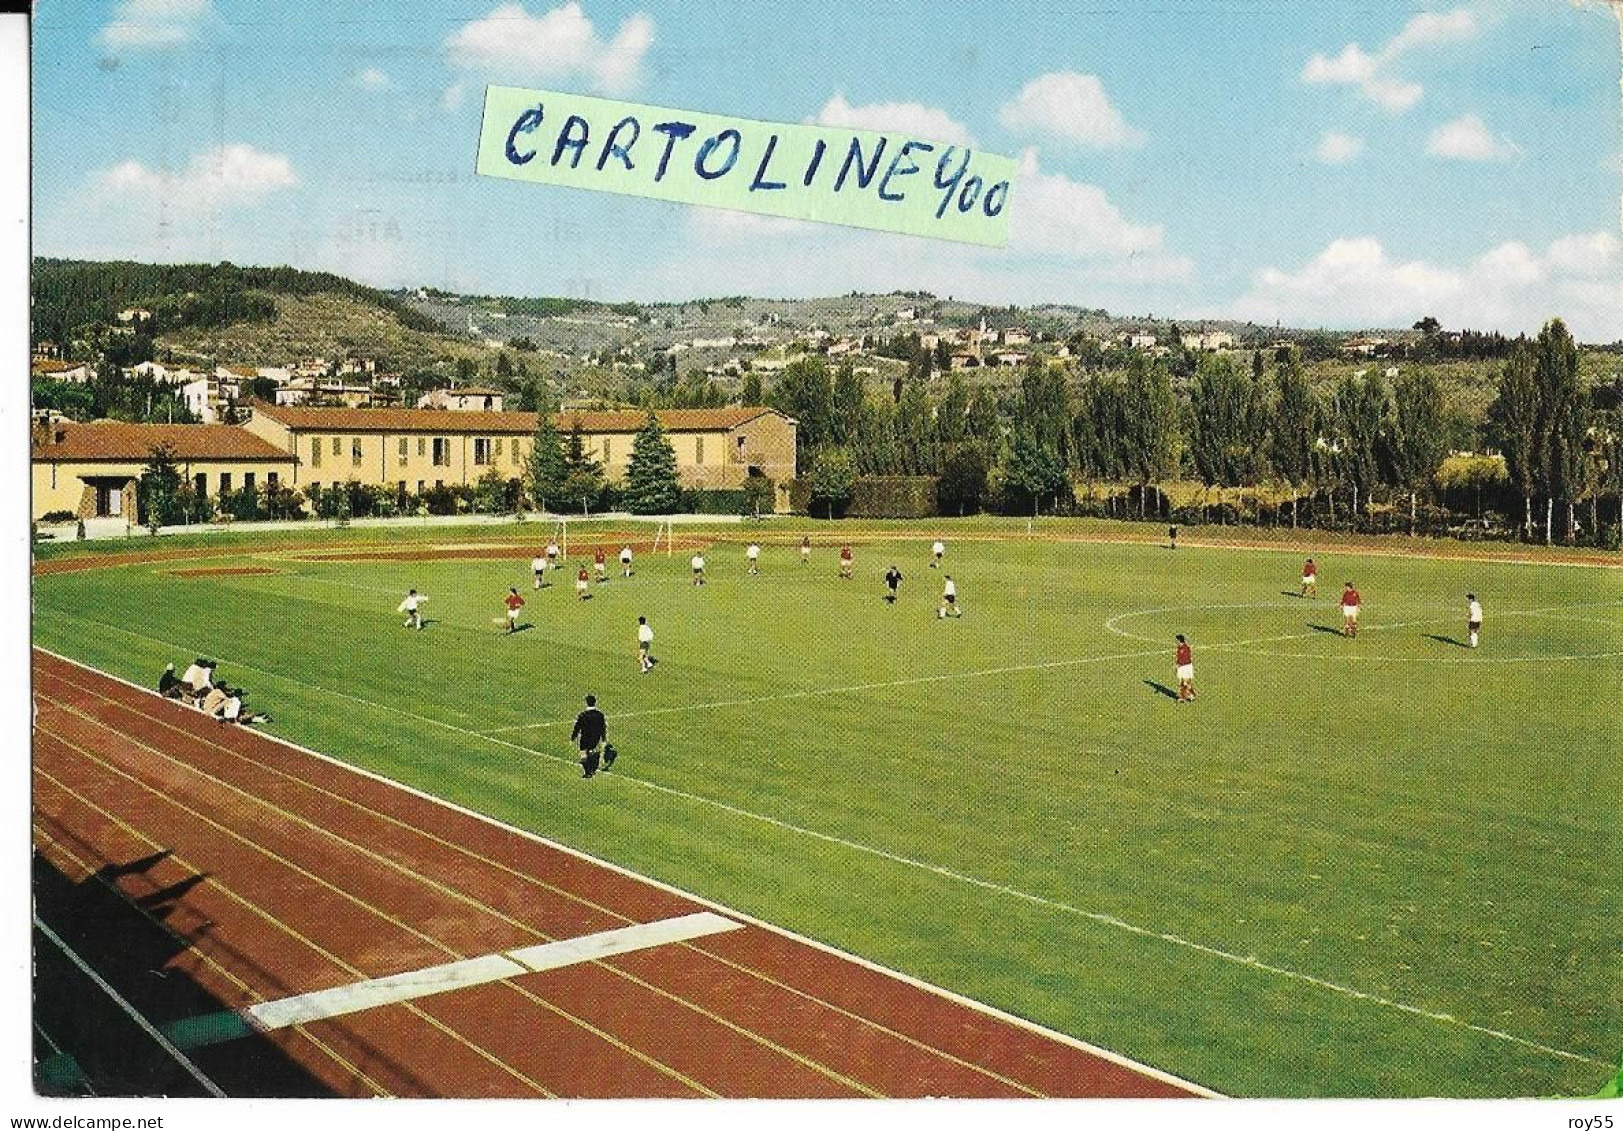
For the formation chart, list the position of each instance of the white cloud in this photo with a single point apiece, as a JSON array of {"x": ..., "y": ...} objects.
[
  {"x": 1349, "y": 68},
  {"x": 1512, "y": 287},
  {"x": 1467, "y": 139},
  {"x": 229, "y": 176},
  {"x": 561, "y": 43},
  {"x": 1070, "y": 106},
  {"x": 924, "y": 122},
  {"x": 453, "y": 96},
  {"x": 1067, "y": 242},
  {"x": 1050, "y": 214},
  {"x": 371, "y": 78},
  {"x": 153, "y": 23},
  {"x": 1593, "y": 254},
  {"x": 725, "y": 224},
  {"x": 1432, "y": 28},
  {"x": 1338, "y": 149},
  {"x": 1371, "y": 73}
]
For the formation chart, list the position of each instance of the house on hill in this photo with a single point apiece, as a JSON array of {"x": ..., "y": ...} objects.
[
  {"x": 472, "y": 398},
  {"x": 69, "y": 372}
]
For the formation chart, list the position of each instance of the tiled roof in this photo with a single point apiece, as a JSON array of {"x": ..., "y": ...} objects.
[
  {"x": 429, "y": 420},
  {"x": 114, "y": 440},
  {"x": 45, "y": 365}
]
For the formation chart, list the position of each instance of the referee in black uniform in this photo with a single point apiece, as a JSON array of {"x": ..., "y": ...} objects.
[{"x": 591, "y": 728}]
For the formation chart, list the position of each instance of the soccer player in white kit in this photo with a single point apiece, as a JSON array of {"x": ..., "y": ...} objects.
[
  {"x": 411, "y": 606},
  {"x": 753, "y": 556},
  {"x": 1473, "y": 618},
  {"x": 938, "y": 549},
  {"x": 625, "y": 561},
  {"x": 645, "y": 641},
  {"x": 698, "y": 569},
  {"x": 538, "y": 566},
  {"x": 949, "y": 599}
]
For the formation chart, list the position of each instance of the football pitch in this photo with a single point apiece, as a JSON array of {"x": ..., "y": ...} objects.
[{"x": 1379, "y": 866}]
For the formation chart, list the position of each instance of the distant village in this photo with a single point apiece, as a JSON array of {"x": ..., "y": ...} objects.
[{"x": 219, "y": 393}]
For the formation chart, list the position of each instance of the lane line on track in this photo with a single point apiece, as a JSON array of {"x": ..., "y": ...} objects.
[
  {"x": 1102, "y": 918},
  {"x": 552, "y": 888},
  {"x": 190, "y": 946},
  {"x": 134, "y": 1014},
  {"x": 970, "y": 1003},
  {"x": 471, "y": 901},
  {"x": 341, "y": 1000},
  {"x": 354, "y": 971}
]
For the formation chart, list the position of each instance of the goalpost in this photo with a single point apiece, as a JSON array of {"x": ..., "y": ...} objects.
[{"x": 663, "y": 530}]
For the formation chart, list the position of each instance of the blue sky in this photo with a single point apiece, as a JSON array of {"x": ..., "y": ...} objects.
[{"x": 1318, "y": 164}]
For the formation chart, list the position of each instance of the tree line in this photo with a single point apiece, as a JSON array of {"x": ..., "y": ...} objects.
[{"x": 1329, "y": 454}]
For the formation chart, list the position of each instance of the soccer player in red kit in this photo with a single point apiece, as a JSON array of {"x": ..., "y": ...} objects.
[
  {"x": 601, "y": 561},
  {"x": 514, "y": 604},
  {"x": 846, "y": 563},
  {"x": 1350, "y": 602},
  {"x": 1310, "y": 579},
  {"x": 1186, "y": 671}
]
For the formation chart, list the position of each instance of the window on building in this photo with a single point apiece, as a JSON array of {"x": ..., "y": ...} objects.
[
  {"x": 481, "y": 451},
  {"x": 442, "y": 452},
  {"x": 355, "y": 452},
  {"x": 698, "y": 449},
  {"x": 606, "y": 448},
  {"x": 315, "y": 452},
  {"x": 419, "y": 486},
  {"x": 247, "y": 481},
  {"x": 225, "y": 482},
  {"x": 272, "y": 480},
  {"x": 404, "y": 450},
  {"x": 337, "y": 445},
  {"x": 498, "y": 447},
  {"x": 422, "y": 447},
  {"x": 314, "y": 493},
  {"x": 200, "y": 484}
]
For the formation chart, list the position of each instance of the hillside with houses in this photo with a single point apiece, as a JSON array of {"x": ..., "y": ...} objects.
[{"x": 938, "y": 405}]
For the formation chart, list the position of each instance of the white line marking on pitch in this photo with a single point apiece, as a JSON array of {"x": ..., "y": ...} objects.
[
  {"x": 357, "y": 996},
  {"x": 1104, "y": 918}
]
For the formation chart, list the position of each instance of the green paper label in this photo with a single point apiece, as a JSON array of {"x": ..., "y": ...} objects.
[{"x": 891, "y": 182}]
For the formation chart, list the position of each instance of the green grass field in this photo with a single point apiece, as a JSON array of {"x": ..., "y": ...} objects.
[{"x": 1385, "y": 866}]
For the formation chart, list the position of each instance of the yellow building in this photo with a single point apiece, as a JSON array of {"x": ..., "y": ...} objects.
[
  {"x": 90, "y": 470},
  {"x": 412, "y": 450}
]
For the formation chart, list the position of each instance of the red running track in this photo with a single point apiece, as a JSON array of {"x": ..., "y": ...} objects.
[{"x": 318, "y": 875}]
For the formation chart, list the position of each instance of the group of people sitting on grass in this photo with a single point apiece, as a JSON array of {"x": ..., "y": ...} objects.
[{"x": 197, "y": 687}]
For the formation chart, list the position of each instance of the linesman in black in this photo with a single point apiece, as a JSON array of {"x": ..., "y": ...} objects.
[{"x": 591, "y": 728}]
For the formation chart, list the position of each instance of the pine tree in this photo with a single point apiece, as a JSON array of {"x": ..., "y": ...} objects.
[
  {"x": 583, "y": 475},
  {"x": 546, "y": 469},
  {"x": 651, "y": 482}
]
